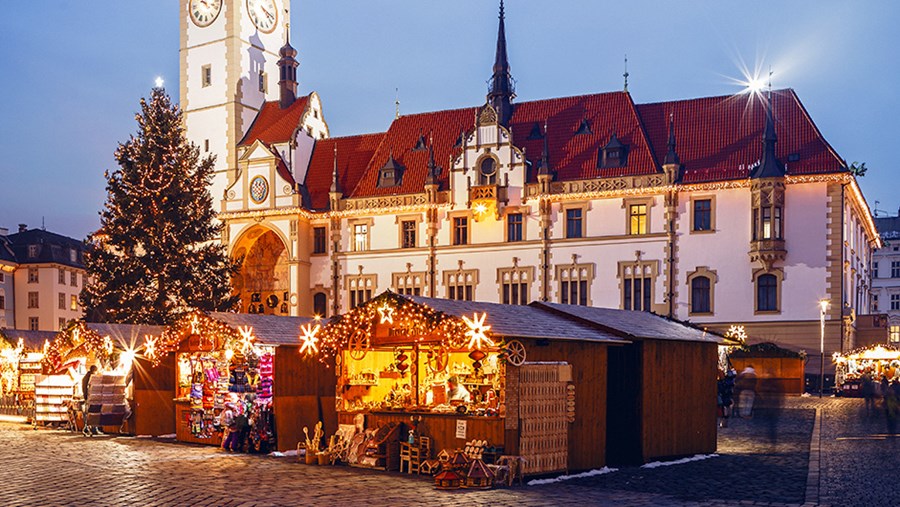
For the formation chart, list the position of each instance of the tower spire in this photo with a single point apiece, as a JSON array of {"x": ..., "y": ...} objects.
[
  {"x": 397, "y": 103},
  {"x": 625, "y": 75},
  {"x": 769, "y": 166},
  {"x": 335, "y": 183},
  {"x": 287, "y": 71},
  {"x": 502, "y": 90},
  {"x": 431, "y": 176},
  {"x": 544, "y": 169},
  {"x": 671, "y": 154}
]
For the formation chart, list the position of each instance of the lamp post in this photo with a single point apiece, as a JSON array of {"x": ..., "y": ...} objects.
[{"x": 823, "y": 306}]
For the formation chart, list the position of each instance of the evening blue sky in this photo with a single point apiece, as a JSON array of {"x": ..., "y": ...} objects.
[{"x": 73, "y": 73}]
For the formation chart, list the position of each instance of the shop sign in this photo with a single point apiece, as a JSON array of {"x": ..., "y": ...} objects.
[
  {"x": 200, "y": 343},
  {"x": 461, "y": 428}
]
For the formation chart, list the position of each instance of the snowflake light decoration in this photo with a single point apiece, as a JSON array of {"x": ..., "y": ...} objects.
[
  {"x": 386, "y": 312},
  {"x": 149, "y": 346},
  {"x": 477, "y": 332},
  {"x": 736, "y": 332},
  {"x": 309, "y": 340},
  {"x": 246, "y": 338}
]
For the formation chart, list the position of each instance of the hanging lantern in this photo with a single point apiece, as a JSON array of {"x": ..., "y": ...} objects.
[{"x": 476, "y": 356}]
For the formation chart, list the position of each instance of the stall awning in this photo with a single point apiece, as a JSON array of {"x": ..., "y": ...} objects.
[
  {"x": 516, "y": 321},
  {"x": 270, "y": 330},
  {"x": 632, "y": 324},
  {"x": 33, "y": 340}
]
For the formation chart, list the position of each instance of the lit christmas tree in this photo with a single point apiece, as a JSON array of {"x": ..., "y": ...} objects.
[{"x": 155, "y": 255}]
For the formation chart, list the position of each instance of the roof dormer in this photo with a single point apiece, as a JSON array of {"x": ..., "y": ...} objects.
[
  {"x": 390, "y": 174},
  {"x": 614, "y": 154}
]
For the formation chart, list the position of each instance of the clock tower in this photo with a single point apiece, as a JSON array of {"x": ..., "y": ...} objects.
[{"x": 229, "y": 68}]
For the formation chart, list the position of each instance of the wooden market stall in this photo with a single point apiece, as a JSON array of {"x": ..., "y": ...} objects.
[
  {"x": 207, "y": 360},
  {"x": 505, "y": 379},
  {"x": 876, "y": 362},
  {"x": 21, "y": 355},
  {"x": 781, "y": 368},
  {"x": 661, "y": 385},
  {"x": 114, "y": 402}
]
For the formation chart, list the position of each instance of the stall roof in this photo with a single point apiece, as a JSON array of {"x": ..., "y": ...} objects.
[
  {"x": 632, "y": 324},
  {"x": 33, "y": 340},
  {"x": 519, "y": 321},
  {"x": 270, "y": 330},
  {"x": 126, "y": 335}
]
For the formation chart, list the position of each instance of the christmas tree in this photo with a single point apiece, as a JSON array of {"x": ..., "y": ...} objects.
[{"x": 155, "y": 255}]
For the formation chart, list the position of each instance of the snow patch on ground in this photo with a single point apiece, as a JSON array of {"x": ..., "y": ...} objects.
[
  {"x": 561, "y": 478},
  {"x": 279, "y": 454},
  {"x": 698, "y": 457},
  {"x": 171, "y": 435},
  {"x": 143, "y": 436}
]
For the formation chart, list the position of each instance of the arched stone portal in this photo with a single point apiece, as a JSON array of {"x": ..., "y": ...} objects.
[{"x": 263, "y": 282}]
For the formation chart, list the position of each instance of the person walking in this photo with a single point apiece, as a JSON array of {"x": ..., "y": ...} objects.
[
  {"x": 868, "y": 392},
  {"x": 725, "y": 396},
  {"x": 746, "y": 387},
  {"x": 231, "y": 434},
  {"x": 892, "y": 406}
]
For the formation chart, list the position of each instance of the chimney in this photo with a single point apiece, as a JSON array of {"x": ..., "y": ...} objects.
[{"x": 23, "y": 227}]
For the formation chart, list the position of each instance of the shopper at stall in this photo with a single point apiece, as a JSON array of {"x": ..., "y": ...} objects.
[
  {"x": 86, "y": 381},
  {"x": 746, "y": 387},
  {"x": 892, "y": 407},
  {"x": 456, "y": 392},
  {"x": 868, "y": 392},
  {"x": 725, "y": 396},
  {"x": 231, "y": 435}
]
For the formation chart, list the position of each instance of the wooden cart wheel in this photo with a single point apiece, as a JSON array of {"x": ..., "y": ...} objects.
[
  {"x": 359, "y": 346},
  {"x": 515, "y": 353},
  {"x": 438, "y": 359},
  {"x": 457, "y": 342}
]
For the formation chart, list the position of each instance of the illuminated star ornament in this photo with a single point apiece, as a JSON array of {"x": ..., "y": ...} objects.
[
  {"x": 309, "y": 339},
  {"x": 159, "y": 82},
  {"x": 246, "y": 338},
  {"x": 107, "y": 345},
  {"x": 149, "y": 346},
  {"x": 195, "y": 325},
  {"x": 476, "y": 332},
  {"x": 387, "y": 313}
]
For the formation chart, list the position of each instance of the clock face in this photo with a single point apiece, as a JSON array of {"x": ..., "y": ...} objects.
[
  {"x": 264, "y": 14},
  {"x": 204, "y": 12}
]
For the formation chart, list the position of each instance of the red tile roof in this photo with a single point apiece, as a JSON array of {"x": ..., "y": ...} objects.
[
  {"x": 573, "y": 156},
  {"x": 276, "y": 125},
  {"x": 400, "y": 139},
  {"x": 354, "y": 155},
  {"x": 720, "y": 138}
]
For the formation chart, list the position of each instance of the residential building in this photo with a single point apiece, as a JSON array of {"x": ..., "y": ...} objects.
[
  {"x": 886, "y": 275},
  {"x": 41, "y": 277}
]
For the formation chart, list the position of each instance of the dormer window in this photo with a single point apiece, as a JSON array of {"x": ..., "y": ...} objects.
[
  {"x": 390, "y": 174},
  {"x": 487, "y": 172},
  {"x": 536, "y": 132},
  {"x": 614, "y": 154},
  {"x": 421, "y": 144},
  {"x": 584, "y": 128},
  {"x": 33, "y": 251}
]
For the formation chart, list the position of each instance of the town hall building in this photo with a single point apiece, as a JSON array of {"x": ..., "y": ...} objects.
[{"x": 718, "y": 210}]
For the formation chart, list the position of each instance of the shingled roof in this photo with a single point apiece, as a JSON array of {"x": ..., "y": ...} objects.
[
  {"x": 276, "y": 125},
  {"x": 269, "y": 329},
  {"x": 353, "y": 156},
  {"x": 52, "y": 248},
  {"x": 32, "y": 340},
  {"x": 631, "y": 324},
  {"x": 517, "y": 321}
]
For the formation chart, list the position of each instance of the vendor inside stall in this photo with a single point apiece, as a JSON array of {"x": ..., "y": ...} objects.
[{"x": 875, "y": 363}]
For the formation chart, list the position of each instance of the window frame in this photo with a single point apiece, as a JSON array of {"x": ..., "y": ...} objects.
[
  {"x": 324, "y": 313},
  {"x": 315, "y": 240},
  {"x": 34, "y": 323},
  {"x": 61, "y": 303},
  {"x": 360, "y": 288},
  {"x": 712, "y": 213},
  {"x": 460, "y": 231},
  {"x": 355, "y": 244},
  {"x": 514, "y": 284},
  {"x": 34, "y": 275},
  {"x": 34, "y": 300},
  {"x": 73, "y": 278},
  {"x": 453, "y": 287},
  {"x": 401, "y": 220},
  {"x": 778, "y": 275},
  {"x": 583, "y": 289},
  {"x": 894, "y": 333},
  {"x": 713, "y": 278},
  {"x": 648, "y": 203},
  {"x": 410, "y": 283},
  {"x": 628, "y": 273},
  {"x": 61, "y": 276},
  {"x": 206, "y": 76}
]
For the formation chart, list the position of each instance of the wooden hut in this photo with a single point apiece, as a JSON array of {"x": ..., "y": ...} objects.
[
  {"x": 781, "y": 368},
  {"x": 200, "y": 346},
  {"x": 661, "y": 386}
]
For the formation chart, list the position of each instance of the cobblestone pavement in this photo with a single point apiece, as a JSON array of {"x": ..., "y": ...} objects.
[{"x": 55, "y": 468}]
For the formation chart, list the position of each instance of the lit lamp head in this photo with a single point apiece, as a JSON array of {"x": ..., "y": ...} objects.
[{"x": 823, "y": 305}]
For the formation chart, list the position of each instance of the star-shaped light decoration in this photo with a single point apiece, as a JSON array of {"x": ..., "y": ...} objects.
[
  {"x": 387, "y": 313},
  {"x": 75, "y": 334},
  {"x": 107, "y": 345},
  {"x": 149, "y": 346},
  {"x": 195, "y": 325},
  {"x": 309, "y": 339},
  {"x": 476, "y": 332},
  {"x": 159, "y": 82},
  {"x": 246, "y": 338}
]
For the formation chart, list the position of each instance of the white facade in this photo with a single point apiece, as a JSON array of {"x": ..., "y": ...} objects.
[{"x": 886, "y": 275}]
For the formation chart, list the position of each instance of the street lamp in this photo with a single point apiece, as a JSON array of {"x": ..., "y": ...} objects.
[{"x": 823, "y": 306}]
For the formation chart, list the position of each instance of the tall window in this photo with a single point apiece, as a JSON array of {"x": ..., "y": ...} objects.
[
  {"x": 320, "y": 304},
  {"x": 874, "y": 302},
  {"x": 574, "y": 223},
  {"x": 514, "y": 227},
  {"x": 360, "y": 238},
  {"x": 514, "y": 285},
  {"x": 461, "y": 284},
  {"x": 33, "y": 251},
  {"x": 73, "y": 279},
  {"x": 575, "y": 283},
  {"x": 700, "y": 295},
  {"x": 32, "y": 300},
  {"x": 73, "y": 303},
  {"x": 62, "y": 301},
  {"x": 32, "y": 275},
  {"x": 637, "y": 279},
  {"x": 637, "y": 219},
  {"x": 262, "y": 81},
  {"x": 62, "y": 323},
  {"x": 33, "y": 323},
  {"x": 768, "y": 221},
  {"x": 895, "y": 269},
  {"x": 320, "y": 241},
  {"x": 895, "y": 301},
  {"x": 874, "y": 270},
  {"x": 488, "y": 171},
  {"x": 703, "y": 215},
  {"x": 895, "y": 334},
  {"x": 61, "y": 278},
  {"x": 411, "y": 283},
  {"x": 460, "y": 230},
  {"x": 2, "y": 277},
  {"x": 360, "y": 288},
  {"x": 767, "y": 293},
  {"x": 207, "y": 75},
  {"x": 2, "y": 302},
  {"x": 408, "y": 234}
]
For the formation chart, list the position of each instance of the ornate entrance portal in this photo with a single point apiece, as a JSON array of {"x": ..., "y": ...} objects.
[{"x": 264, "y": 280}]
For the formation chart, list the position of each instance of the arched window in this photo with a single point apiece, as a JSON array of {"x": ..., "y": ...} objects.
[
  {"x": 767, "y": 293},
  {"x": 700, "y": 295},
  {"x": 320, "y": 304},
  {"x": 488, "y": 171}
]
